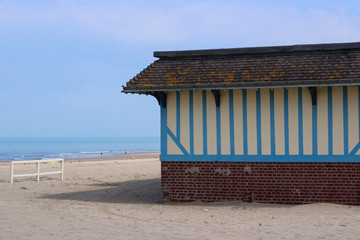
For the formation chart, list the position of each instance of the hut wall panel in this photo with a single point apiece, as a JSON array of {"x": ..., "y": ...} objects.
[
  {"x": 322, "y": 121},
  {"x": 171, "y": 112},
  {"x": 353, "y": 119},
  {"x": 307, "y": 122},
  {"x": 265, "y": 121},
  {"x": 211, "y": 124},
  {"x": 225, "y": 122},
  {"x": 338, "y": 123},
  {"x": 198, "y": 122},
  {"x": 173, "y": 148},
  {"x": 185, "y": 120},
  {"x": 293, "y": 109},
  {"x": 251, "y": 122},
  {"x": 279, "y": 121},
  {"x": 238, "y": 122}
]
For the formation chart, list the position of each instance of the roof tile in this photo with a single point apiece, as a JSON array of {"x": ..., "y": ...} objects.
[{"x": 244, "y": 71}]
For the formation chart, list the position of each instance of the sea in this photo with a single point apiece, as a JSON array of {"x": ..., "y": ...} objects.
[{"x": 28, "y": 148}]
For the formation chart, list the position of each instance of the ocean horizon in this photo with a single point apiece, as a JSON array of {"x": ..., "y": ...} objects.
[{"x": 27, "y": 148}]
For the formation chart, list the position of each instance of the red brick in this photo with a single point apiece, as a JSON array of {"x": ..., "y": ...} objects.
[{"x": 290, "y": 183}]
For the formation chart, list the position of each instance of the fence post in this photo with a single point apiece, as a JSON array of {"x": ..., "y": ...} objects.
[
  {"x": 37, "y": 174},
  {"x": 11, "y": 172}
]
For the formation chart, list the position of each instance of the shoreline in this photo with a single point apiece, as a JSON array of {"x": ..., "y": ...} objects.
[
  {"x": 123, "y": 156},
  {"x": 142, "y": 155}
]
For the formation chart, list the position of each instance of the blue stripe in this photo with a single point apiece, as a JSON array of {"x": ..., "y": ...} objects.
[
  {"x": 163, "y": 127},
  {"x": 314, "y": 130},
  {"x": 258, "y": 120},
  {"x": 191, "y": 121},
  {"x": 300, "y": 109},
  {"x": 346, "y": 122},
  {"x": 330, "y": 121},
  {"x": 231, "y": 115},
  {"x": 178, "y": 115},
  {"x": 262, "y": 158},
  {"x": 204, "y": 123},
  {"x": 356, "y": 148},
  {"x": 245, "y": 122},
  {"x": 218, "y": 130},
  {"x": 176, "y": 141},
  {"x": 286, "y": 120},
  {"x": 272, "y": 122}
]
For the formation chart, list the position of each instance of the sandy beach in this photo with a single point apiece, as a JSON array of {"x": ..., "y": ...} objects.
[{"x": 120, "y": 198}]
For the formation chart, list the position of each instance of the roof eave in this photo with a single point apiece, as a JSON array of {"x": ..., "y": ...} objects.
[
  {"x": 284, "y": 50},
  {"x": 335, "y": 83}
]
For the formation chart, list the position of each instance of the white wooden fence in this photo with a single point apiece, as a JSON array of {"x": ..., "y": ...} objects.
[{"x": 37, "y": 173}]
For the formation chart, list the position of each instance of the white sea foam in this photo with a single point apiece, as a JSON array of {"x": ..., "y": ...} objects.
[
  {"x": 40, "y": 148},
  {"x": 99, "y": 152}
]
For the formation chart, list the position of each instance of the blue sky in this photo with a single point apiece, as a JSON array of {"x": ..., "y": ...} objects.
[{"x": 62, "y": 63}]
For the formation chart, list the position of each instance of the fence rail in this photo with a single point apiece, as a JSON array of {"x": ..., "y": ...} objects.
[{"x": 37, "y": 173}]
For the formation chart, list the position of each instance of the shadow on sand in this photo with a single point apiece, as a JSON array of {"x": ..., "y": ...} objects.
[
  {"x": 130, "y": 192},
  {"x": 147, "y": 191}
]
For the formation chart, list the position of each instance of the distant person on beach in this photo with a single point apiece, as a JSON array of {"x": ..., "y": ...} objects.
[
  {"x": 125, "y": 152},
  {"x": 101, "y": 153}
]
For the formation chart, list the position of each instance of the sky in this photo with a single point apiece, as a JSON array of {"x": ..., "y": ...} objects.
[{"x": 63, "y": 62}]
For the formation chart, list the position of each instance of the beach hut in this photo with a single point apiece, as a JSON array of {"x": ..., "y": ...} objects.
[{"x": 265, "y": 124}]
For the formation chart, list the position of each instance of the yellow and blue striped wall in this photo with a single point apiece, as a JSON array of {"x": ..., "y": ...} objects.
[{"x": 264, "y": 125}]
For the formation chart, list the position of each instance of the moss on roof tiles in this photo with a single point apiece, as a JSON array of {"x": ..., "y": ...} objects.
[{"x": 340, "y": 66}]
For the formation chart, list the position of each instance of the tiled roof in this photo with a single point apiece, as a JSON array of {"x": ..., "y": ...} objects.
[{"x": 286, "y": 66}]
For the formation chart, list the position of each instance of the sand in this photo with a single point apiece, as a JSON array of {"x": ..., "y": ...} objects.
[{"x": 120, "y": 198}]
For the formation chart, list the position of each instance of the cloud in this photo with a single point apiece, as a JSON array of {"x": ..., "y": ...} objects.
[
  {"x": 189, "y": 23},
  {"x": 68, "y": 58}
]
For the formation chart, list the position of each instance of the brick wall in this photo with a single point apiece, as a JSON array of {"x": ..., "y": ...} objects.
[{"x": 287, "y": 183}]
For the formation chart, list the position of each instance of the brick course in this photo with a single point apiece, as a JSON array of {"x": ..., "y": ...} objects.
[{"x": 284, "y": 183}]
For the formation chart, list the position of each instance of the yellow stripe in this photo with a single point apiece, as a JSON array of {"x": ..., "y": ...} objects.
[
  {"x": 293, "y": 121},
  {"x": 238, "y": 122},
  {"x": 172, "y": 147},
  {"x": 251, "y": 121},
  {"x": 307, "y": 121},
  {"x": 185, "y": 120},
  {"x": 279, "y": 121},
  {"x": 265, "y": 121},
  {"x": 211, "y": 123},
  {"x": 322, "y": 121},
  {"x": 338, "y": 123},
  {"x": 198, "y": 122},
  {"x": 353, "y": 106},
  {"x": 171, "y": 111},
  {"x": 224, "y": 122}
]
